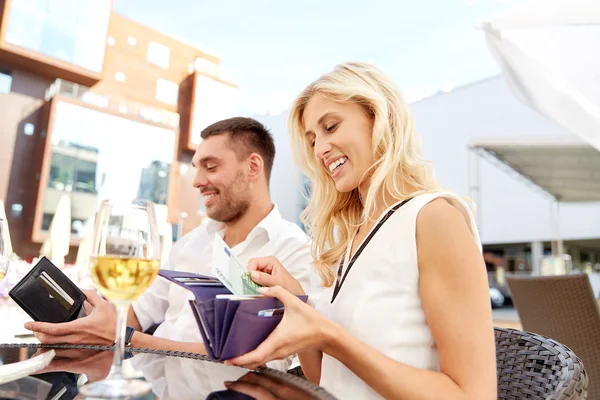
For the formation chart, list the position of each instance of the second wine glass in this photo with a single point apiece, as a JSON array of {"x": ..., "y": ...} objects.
[{"x": 5, "y": 248}]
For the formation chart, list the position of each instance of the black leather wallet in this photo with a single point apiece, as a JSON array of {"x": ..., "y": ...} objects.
[{"x": 48, "y": 295}]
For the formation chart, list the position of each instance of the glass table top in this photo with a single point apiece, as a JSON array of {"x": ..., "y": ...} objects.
[{"x": 179, "y": 376}]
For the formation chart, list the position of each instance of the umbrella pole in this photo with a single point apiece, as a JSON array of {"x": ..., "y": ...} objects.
[
  {"x": 474, "y": 179},
  {"x": 560, "y": 262},
  {"x": 559, "y": 240},
  {"x": 557, "y": 243}
]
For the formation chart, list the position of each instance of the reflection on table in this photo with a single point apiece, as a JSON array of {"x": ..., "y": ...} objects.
[{"x": 172, "y": 377}]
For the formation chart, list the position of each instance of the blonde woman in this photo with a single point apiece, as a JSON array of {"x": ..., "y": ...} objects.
[{"x": 405, "y": 310}]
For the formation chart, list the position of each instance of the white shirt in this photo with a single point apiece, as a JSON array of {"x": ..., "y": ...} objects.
[
  {"x": 379, "y": 301},
  {"x": 181, "y": 378},
  {"x": 167, "y": 304}
]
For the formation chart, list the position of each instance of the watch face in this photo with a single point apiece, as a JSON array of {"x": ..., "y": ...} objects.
[{"x": 128, "y": 334}]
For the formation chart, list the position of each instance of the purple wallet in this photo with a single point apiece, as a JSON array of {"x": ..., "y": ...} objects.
[{"x": 229, "y": 327}]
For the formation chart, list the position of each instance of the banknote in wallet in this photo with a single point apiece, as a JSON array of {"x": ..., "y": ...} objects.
[{"x": 229, "y": 270}]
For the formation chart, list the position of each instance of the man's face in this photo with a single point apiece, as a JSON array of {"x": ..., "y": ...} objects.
[{"x": 222, "y": 179}]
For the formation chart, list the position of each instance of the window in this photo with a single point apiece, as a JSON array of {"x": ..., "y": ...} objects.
[
  {"x": 54, "y": 170},
  {"x": 16, "y": 209},
  {"x": 85, "y": 144},
  {"x": 132, "y": 41},
  {"x": 202, "y": 65},
  {"x": 95, "y": 99},
  {"x": 111, "y": 41},
  {"x": 120, "y": 76},
  {"x": 85, "y": 181},
  {"x": 158, "y": 55},
  {"x": 73, "y": 31},
  {"x": 5, "y": 81},
  {"x": 167, "y": 91},
  {"x": 29, "y": 129}
]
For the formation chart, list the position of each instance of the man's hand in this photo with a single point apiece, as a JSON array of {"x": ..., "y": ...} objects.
[
  {"x": 94, "y": 364},
  {"x": 96, "y": 328}
]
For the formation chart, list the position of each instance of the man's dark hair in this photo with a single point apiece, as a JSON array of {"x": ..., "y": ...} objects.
[{"x": 246, "y": 136}]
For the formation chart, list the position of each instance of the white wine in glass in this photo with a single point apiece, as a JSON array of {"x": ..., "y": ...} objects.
[
  {"x": 5, "y": 248},
  {"x": 124, "y": 261},
  {"x": 123, "y": 279}
]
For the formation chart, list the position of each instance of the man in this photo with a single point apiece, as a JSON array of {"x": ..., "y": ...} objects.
[{"x": 233, "y": 168}]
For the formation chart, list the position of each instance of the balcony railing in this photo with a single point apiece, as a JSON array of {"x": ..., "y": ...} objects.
[{"x": 118, "y": 105}]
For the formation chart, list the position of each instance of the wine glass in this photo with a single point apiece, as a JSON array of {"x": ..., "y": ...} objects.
[
  {"x": 5, "y": 248},
  {"x": 124, "y": 260}
]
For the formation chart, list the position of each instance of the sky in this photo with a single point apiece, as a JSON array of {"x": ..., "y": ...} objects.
[{"x": 273, "y": 48}]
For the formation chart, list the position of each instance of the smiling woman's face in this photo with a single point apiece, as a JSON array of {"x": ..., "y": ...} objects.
[{"x": 341, "y": 135}]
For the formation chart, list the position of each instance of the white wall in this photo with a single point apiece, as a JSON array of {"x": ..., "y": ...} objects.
[
  {"x": 285, "y": 187},
  {"x": 510, "y": 210}
]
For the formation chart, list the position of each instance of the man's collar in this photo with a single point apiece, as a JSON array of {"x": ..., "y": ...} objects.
[{"x": 269, "y": 224}]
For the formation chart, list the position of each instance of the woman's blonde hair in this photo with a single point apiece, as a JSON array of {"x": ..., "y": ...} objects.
[{"x": 331, "y": 217}]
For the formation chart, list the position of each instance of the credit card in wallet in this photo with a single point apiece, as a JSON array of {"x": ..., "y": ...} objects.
[
  {"x": 200, "y": 318},
  {"x": 271, "y": 312},
  {"x": 199, "y": 281},
  {"x": 236, "y": 297},
  {"x": 56, "y": 291}
]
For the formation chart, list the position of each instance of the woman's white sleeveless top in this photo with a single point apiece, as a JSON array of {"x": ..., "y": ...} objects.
[{"x": 379, "y": 300}]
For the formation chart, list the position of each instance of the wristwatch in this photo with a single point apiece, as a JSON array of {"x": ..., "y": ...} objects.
[
  {"x": 128, "y": 335},
  {"x": 129, "y": 331}
]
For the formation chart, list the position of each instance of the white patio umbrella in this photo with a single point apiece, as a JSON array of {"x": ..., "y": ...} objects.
[
  {"x": 548, "y": 52},
  {"x": 56, "y": 246},
  {"x": 85, "y": 245},
  {"x": 166, "y": 242}
]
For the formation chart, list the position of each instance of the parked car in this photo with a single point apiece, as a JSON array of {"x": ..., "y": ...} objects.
[{"x": 496, "y": 297}]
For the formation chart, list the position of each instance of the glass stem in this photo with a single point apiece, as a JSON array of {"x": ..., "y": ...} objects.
[{"x": 116, "y": 371}]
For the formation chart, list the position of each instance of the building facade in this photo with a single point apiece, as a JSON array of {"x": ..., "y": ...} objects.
[{"x": 94, "y": 105}]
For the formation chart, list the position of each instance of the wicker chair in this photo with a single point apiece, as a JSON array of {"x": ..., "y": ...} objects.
[
  {"x": 565, "y": 309},
  {"x": 532, "y": 366}
]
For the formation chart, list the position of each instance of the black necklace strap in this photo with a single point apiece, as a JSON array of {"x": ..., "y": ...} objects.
[{"x": 340, "y": 280}]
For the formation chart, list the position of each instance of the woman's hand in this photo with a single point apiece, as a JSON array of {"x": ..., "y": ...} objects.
[
  {"x": 301, "y": 328},
  {"x": 268, "y": 271}
]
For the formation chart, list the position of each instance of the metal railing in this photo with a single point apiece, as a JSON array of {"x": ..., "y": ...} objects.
[{"x": 116, "y": 104}]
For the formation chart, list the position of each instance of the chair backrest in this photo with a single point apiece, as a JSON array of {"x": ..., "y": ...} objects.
[
  {"x": 565, "y": 309},
  {"x": 532, "y": 366}
]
